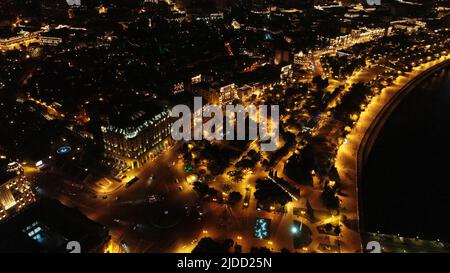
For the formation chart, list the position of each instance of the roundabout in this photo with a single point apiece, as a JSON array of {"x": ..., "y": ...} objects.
[
  {"x": 63, "y": 150},
  {"x": 163, "y": 216}
]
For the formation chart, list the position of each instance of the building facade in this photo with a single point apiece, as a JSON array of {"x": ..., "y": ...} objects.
[
  {"x": 139, "y": 139},
  {"x": 23, "y": 38},
  {"x": 15, "y": 194},
  {"x": 218, "y": 95}
]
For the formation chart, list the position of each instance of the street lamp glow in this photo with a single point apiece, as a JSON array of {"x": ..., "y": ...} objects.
[{"x": 294, "y": 230}]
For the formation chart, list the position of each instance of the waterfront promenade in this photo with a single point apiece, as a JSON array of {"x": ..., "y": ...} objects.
[{"x": 353, "y": 152}]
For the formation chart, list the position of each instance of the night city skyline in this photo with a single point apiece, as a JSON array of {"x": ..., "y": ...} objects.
[{"x": 224, "y": 126}]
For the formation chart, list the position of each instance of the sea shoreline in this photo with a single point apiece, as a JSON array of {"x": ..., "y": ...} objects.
[{"x": 352, "y": 154}]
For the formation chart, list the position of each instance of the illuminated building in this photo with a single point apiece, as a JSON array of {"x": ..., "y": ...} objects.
[
  {"x": 362, "y": 35},
  {"x": 286, "y": 72},
  {"x": 246, "y": 91},
  {"x": 215, "y": 95},
  {"x": 408, "y": 25},
  {"x": 134, "y": 137},
  {"x": 333, "y": 44},
  {"x": 49, "y": 40},
  {"x": 177, "y": 88},
  {"x": 227, "y": 93},
  {"x": 299, "y": 58},
  {"x": 196, "y": 79},
  {"x": 15, "y": 193},
  {"x": 14, "y": 41},
  {"x": 102, "y": 10},
  {"x": 304, "y": 61}
]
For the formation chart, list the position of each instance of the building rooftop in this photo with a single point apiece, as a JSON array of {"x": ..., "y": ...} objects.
[
  {"x": 130, "y": 118},
  {"x": 5, "y": 175},
  {"x": 6, "y": 32},
  {"x": 47, "y": 226}
]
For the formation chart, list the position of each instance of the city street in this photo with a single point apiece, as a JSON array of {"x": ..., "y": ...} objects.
[{"x": 142, "y": 226}]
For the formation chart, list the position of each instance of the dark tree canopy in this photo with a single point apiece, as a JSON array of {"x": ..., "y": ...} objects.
[
  {"x": 269, "y": 193},
  {"x": 234, "y": 197},
  {"x": 208, "y": 245}
]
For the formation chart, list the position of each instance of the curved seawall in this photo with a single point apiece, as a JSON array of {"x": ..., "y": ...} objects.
[
  {"x": 380, "y": 119},
  {"x": 385, "y": 173}
]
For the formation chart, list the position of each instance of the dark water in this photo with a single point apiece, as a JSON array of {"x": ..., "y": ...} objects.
[{"x": 406, "y": 181}]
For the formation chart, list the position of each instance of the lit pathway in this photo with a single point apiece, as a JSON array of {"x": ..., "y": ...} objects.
[{"x": 346, "y": 159}]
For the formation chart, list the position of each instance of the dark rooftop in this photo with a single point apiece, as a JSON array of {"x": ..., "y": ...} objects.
[
  {"x": 6, "y": 32},
  {"x": 134, "y": 114},
  {"x": 47, "y": 226},
  {"x": 5, "y": 176}
]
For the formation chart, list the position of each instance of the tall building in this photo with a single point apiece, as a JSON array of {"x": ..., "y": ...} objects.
[
  {"x": 134, "y": 136},
  {"x": 15, "y": 192}
]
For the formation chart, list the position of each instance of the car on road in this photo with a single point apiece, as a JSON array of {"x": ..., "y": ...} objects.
[
  {"x": 150, "y": 179},
  {"x": 154, "y": 198},
  {"x": 131, "y": 182},
  {"x": 247, "y": 198}
]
